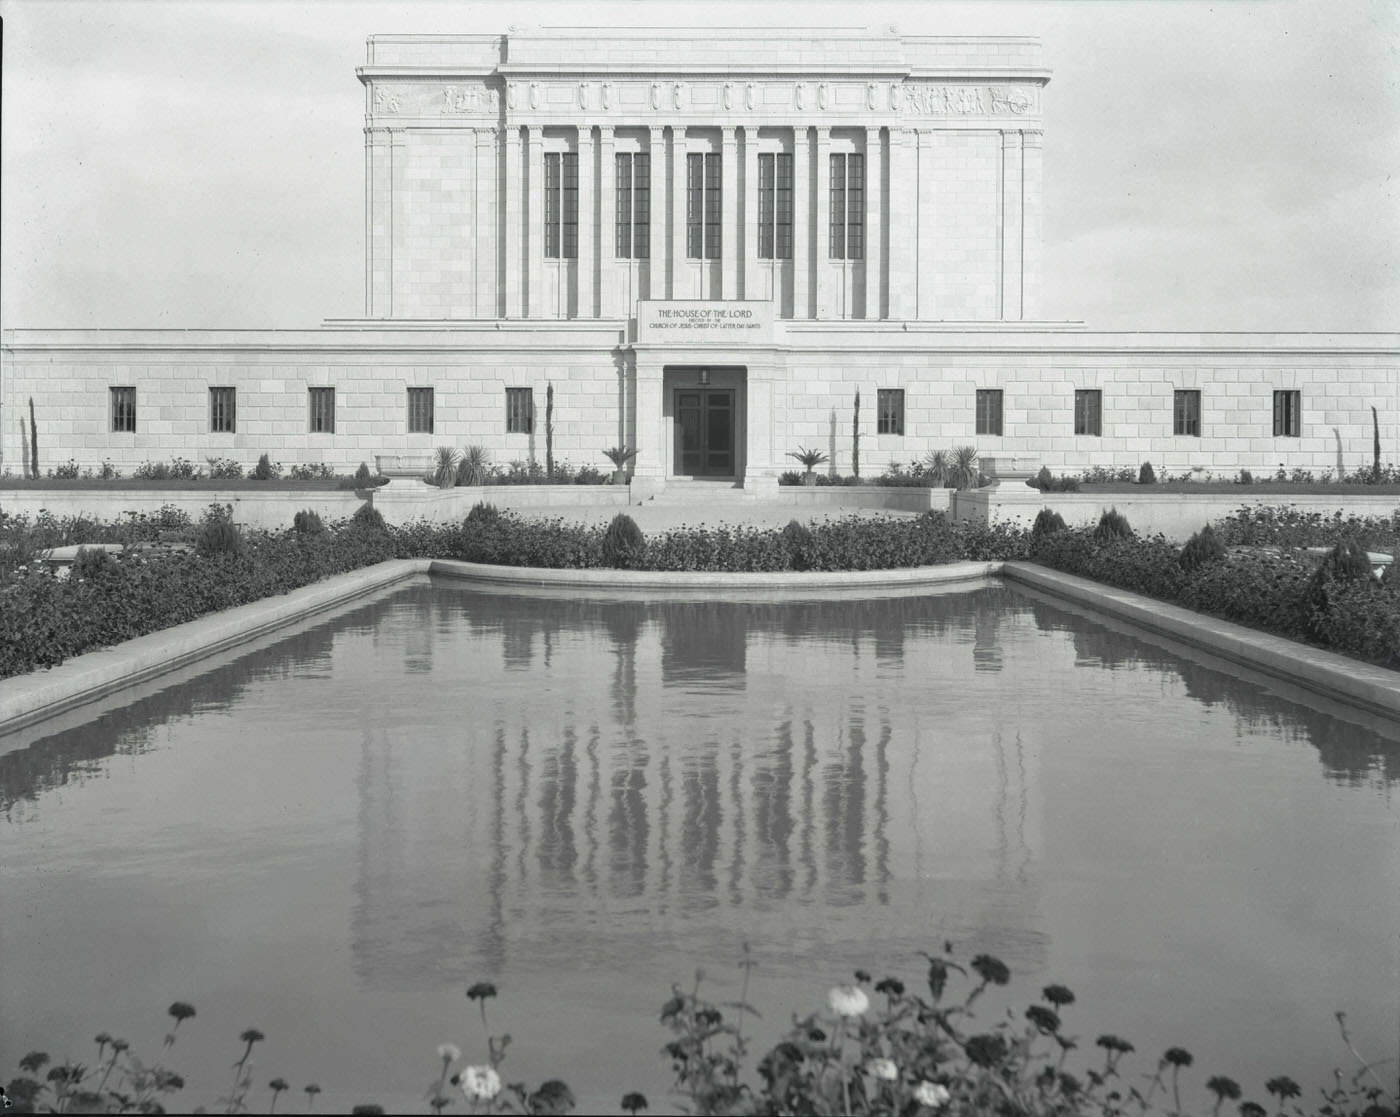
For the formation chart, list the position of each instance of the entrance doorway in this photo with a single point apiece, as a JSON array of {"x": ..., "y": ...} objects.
[{"x": 704, "y": 435}]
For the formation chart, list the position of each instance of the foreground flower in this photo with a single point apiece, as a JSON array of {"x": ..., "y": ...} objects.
[
  {"x": 480, "y": 1083},
  {"x": 848, "y": 1000},
  {"x": 882, "y": 1068},
  {"x": 932, "y": 1094},
  {"x": 449, "y": 1052}
]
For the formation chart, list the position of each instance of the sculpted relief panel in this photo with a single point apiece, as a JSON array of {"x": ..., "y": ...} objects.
[{"x": 482, "y": 97}]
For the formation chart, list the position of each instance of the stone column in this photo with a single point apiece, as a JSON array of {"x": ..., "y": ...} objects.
[
  {"x": 649, "y": 471},
  {"x": 750, "y": 278},
  {"x": 587, "y": 222},
  {"x": 874, "y": 222},
  {"x": 608, "y": 301},
  {"x": 515, "y": 262},
  {"x": 378, "y": 220},
  {"x": 903, "y": 224},
  {"x": 485, "y": 281},
  {"x": 1032, "y": 216},
  {"x": 680, "y": 266},
  {"x": 1010, "y": 233},
  {"x": 731, "y": 210},
  {"x": 762, "y": 459},
  {"x": 398, "y": 166},
  {"x": 823, "y": 215},
  {"x": 534, "y": 225},
  {"x": 801, "y": 223},
  {"x": 656, "y": 224}
]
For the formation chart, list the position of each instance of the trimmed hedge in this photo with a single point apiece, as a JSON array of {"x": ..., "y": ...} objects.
[
  {"x": 1290, "y": 527},
  {"x": 1283, "y": 592}
]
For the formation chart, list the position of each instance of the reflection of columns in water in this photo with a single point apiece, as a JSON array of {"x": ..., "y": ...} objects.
[
  {"x": 772, "y": 815},
  {"x": 557, "y": 795}
]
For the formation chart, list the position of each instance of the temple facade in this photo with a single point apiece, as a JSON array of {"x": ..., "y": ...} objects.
[{"x": 714, "y": 246}]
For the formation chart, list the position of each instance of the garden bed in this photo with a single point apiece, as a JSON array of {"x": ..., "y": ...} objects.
[
  {"x": 199, "y": 484},
  {"x": 1245, "y": 492}
]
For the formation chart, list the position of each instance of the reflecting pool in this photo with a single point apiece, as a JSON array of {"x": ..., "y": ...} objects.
[{"x": 330, "y": 834}]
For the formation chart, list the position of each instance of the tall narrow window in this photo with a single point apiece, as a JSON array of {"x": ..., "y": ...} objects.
[
  {"x": 561, "y": 205},
  {"x": 889, "y": 416},
  {"x": 1288, "y": 414},
  {"x": 702, "y": 194},
  {"x": 775, "y": 206},
  {"x": 1186, "y": 409},
  {"x": 420, "y": 411},
  {"x": 633, "y": 212},
  {"x": 989, "y": 411},
  {"x": 223, "y": 413},
  {"x": 520, "y": 410},
  {"x": 123, "y": 409},
  {"x": 1088, "y": 411},
  {"x": 322, "y": 403},
  {"x": 847, "y": 207}
]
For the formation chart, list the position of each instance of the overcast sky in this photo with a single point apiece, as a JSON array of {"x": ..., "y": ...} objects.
[{"x": 1208, "y": 165}]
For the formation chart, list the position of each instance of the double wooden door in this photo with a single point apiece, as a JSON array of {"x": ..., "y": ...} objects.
[{"x": 704, "y": 432}]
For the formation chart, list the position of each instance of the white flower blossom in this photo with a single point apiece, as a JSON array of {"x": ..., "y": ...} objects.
[
  {"x": 480, "y": 1083},
  {"x": 449, "y": 1052},
  {"x": 932, "y": 1094},
  {"x": 882, "y": 1068},
  {"x": 848, "y": 1000}
]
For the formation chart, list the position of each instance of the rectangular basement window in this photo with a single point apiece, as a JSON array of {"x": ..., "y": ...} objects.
[
  {"x": 223, "y": 410},
  {"x": 123, "y": 409},
  {"x": 520, "y": 410},
  {"x": 420, "y": 411},
  {"x": 1088, "y": 411},
  {"x": 322, "y": 403},
  {"x": 1288, "y": 414},
  {"x": 1186, "y": 411},
  {"x": 989, "y": 411},
  {"x": 889, "y": 412}
]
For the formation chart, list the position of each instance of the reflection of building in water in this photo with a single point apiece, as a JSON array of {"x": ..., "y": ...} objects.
[{"x": 694, "y": 767}]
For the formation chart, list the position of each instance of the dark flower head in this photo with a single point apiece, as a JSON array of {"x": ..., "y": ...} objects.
[
  {"x": 937, "y": 977},
  {"x": 1058, "y": 995},
  {"x": 674, "y": 1007},
  {"x": 1113, "y": 1043},
  {"x": 102, "y": 1039},
  {"x": 991, "y": 970},
  {"x": 1283, "y": 1086},
  {"x": 181, "y": 1010},
  {"x": 252, "y": 1035},
  {"x": 1044, "y": 1020},
  {"x": 816, "y": 1035},
  {"x": 709, "y": 1016},
  {"x": 552, "y": 1097},
  {"x": 634, "y": 1102},
  {"x": 480, "y": 991},
  {"x": 312, "y": 1089},
  {"x": 33, "y": 1061},
  {"x": 676, "y": 1051},
  {"x": 890, "y": 985},
  {"x": 1223, "y": 1087},
  {"x": 1177, "y": 1057},
  {"x": 986, "y": 1050},
  {"x": 862, "y": 977},
  {"x": 1252, "y": 1109},
  {"x": 172, "y": 1081},
  {"x": 1069, "y": 1085},
  {"x": 370, "y": 1110},
  {"x": 277, "y": 1085},
  {"x": 120, "y": 1045}
]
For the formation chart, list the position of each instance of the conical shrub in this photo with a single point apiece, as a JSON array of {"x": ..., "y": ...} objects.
[{"x": 622, "y": 542}]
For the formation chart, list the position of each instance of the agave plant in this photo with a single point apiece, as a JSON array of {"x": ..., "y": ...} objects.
[
  {"x": 445, "y": 475},
  {"x": 810, "y": 459},
  {"x": 936, "y": 467},
  {"x": 619, "y": 455},
  {"x": 963, "y": 471},
  {"x": 474, "y": 467}
]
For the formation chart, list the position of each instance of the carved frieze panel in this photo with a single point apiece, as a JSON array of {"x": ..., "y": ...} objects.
[
  {"x": 421, "y": 99},
  {"x": 948, "y": 99}
]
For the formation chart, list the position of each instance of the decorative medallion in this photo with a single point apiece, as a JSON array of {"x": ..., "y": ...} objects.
[
  {"x": 801, "y": 94},
  {"x": 677, "y": 94},
  {"x": 656, "y": 95},
  {"x": 750, "y": 96},
  {"x": 534, "y": 94},
  {"x": 607, "y": 94},
  {"x": 583, "y": 95},
  {"x": 871, "y": 95},
  {"x": 512, "y": 94},
  {"x": 729, "y": 95},
  {"x": 896, "y": 97},
  {"x": 824, "y": 95}
]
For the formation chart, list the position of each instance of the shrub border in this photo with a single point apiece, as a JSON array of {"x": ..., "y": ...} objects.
[
  {"x": 1329, "y": 674},
  {"x": 27, "y": 699}
]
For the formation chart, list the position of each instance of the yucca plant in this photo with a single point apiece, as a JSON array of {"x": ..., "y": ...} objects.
[
  {"x": 936, "y": 467},
  {"x": 445, "y": 475},
  {"x": 619, "y": 455},
  {"x": 474, "y": 468},
  {"x": 963, "y": 472}
]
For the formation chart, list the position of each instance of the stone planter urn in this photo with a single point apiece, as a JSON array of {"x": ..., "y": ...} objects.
[
  {"x": 619, "y": 477},
  {"x": 809, "y": 480},
  {"x": 1010, "y": 468}
]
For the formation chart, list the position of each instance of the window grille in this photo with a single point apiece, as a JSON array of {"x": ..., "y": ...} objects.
[
  {"x": 890, "y": 411},
  {"x": 561, "y": 205},
  {"x": 1088, "y": 411},
  {"x": 1186, "y": 408},
  {"x": 322, "y": 402},
  {"x": 633, "y": 210},
  {"x": 703, "y": 198},
  {"x": 847, "y": 207},
  {"x": 520, "y": 410},
  {"x": 223, "y": 414},
  {"x": 775, "y": 206},
  {"x": 420, "y": 411},
  {"x": 123, "y": 409},
  {"x": 989, "y": 411},
  {"x": 1288, "y": 414}
]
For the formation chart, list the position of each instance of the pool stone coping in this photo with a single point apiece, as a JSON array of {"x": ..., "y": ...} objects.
[
  {"x": 1330, "y": 674},
  {"x": 27, "y": 699}
]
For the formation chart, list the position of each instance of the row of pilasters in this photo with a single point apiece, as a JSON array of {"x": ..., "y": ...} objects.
[{"x": 507, "y": 274}]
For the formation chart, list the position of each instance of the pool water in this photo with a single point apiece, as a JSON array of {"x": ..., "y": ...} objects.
[{"x": 330, "y": 835}]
